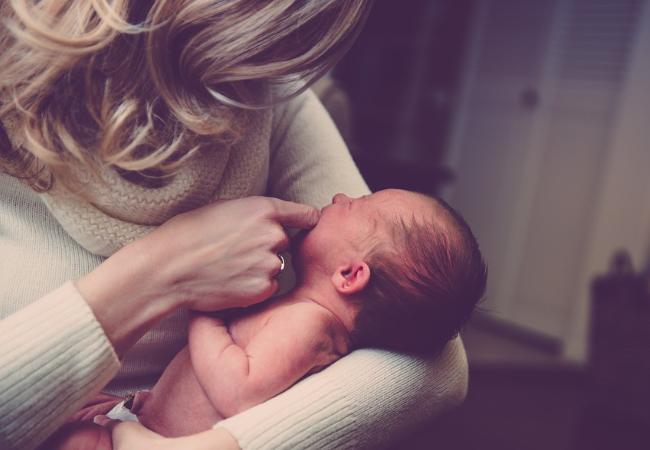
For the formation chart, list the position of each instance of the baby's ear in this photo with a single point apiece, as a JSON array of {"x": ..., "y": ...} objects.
[{"x": 351, "y": 278}]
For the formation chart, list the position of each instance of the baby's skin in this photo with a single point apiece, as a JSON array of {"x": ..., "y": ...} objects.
[{"x": 233, "y": 364}]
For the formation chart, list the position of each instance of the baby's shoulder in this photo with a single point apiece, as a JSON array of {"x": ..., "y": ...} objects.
[{"x": 317, "y": 325}]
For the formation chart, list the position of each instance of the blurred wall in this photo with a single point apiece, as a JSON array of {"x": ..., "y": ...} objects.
[
  {"x": 548, "y": 146},
  {"x": 401, "y": 75}
]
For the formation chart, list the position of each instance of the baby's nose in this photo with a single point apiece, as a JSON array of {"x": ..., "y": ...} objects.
[{"x": 340, "y": 197}]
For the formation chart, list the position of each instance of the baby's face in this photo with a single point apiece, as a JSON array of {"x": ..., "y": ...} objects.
[{"x": 349, "y": 226}]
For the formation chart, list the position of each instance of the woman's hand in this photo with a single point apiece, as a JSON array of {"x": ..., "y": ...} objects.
[
  {"x": 133, "y": 436},
  {"x": 220, "y": 256},
  {"x": 226, "y": 254}
]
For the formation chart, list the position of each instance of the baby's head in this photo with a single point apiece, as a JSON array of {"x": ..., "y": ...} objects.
[{"x": 408, "y": 264}]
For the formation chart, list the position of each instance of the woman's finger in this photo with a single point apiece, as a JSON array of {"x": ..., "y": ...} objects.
[
  {"x": 280, "y": 239},
  {"x": 294, "y": 215}
]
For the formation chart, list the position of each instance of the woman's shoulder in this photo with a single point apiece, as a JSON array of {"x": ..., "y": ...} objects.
[{"x": 288, "y": 99}]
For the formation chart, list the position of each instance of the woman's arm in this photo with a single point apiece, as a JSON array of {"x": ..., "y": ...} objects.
[
  {"x": 369, "y": 397},
  {"x": 58, "y": 351},
  {"x": 365, "y": 400},
  {"x": 54, "y": 355},
  {"x": 133, "y": 436}
]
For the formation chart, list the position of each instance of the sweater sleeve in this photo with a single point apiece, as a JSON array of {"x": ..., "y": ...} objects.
[
  {"x": 366, "y": 400},
  {"x": 370, "y": 397},
  {"x": 54, "y": 356}
]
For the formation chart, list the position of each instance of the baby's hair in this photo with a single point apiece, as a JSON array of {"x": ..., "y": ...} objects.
[
  {"x": 142, "y": 85},
  {"x": 424, "y": 283}
]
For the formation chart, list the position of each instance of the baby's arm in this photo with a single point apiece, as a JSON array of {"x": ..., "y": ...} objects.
[{"x": 289, "y": 345}]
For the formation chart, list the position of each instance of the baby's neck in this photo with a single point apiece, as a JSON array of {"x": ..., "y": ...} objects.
[{"x": 338, "y": 307}]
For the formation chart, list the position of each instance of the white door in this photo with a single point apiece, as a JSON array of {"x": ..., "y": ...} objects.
[{"x": 530, "y": 145}]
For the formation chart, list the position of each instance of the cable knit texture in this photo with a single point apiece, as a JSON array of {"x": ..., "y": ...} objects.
[{"x": 54, "y": 354}]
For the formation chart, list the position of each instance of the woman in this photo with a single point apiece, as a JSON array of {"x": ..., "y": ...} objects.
[{"x": 125, "y": 122}]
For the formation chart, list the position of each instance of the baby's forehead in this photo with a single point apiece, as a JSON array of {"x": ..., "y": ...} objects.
[
  {"x": 392, "y": 204},
  {"x": 398, "y": 210},
  {"x": 418, "y": 219}
]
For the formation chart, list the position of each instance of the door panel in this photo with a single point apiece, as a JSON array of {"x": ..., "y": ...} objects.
[{"x": 532, "y": 144}]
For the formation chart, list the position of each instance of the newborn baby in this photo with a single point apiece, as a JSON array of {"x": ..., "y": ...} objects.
[{"x": 394, "y": 270}]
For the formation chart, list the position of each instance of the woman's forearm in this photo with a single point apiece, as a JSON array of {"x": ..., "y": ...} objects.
[
  {"x": 132, "y": 435},
  {"x": 53, "y": 357},
  {"x": 117, "y": 293},
  {"x": 365, "y": 400},
  {"x": 215, "y": 439}
]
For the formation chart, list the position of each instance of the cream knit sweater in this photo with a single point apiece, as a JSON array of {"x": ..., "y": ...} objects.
[{"x": 54, "y": 355}]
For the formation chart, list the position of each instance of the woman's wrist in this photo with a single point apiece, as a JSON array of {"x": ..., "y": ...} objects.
[
  {"x": 124, "y": 295},
  {"x": 130, "y": 435},
  {"x": 216, "y": 438}
]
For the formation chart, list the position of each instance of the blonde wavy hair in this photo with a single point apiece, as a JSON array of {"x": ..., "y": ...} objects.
[{"x": 142, "y": 85}]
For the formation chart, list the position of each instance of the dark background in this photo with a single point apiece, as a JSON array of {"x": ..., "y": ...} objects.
[
  {"x": 401, "y": 77},
  {"x": 394, "y": 97}
]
